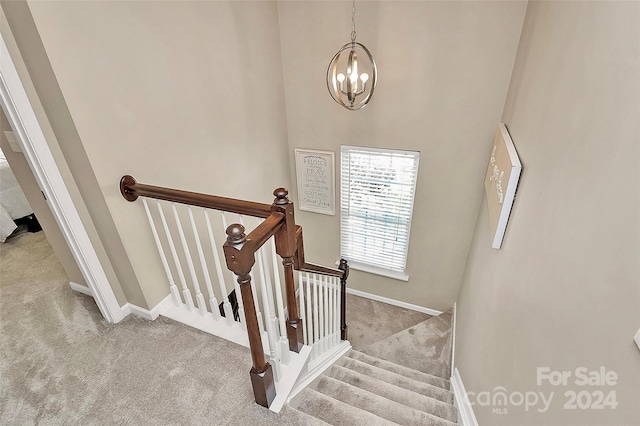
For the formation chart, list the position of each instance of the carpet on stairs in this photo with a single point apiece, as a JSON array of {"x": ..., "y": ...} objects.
[
  {"x": 401, "y": 379},
  {"x": 424, "y": 347}
]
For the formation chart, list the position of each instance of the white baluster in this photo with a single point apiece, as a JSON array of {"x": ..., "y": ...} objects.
[
  {"x": 336, "y": 311},
  {"x": 302, "y": 311},
  {"x": 325, "y": 291},
  {"x": 267, "y": 300},
  {"x": 213, "y": 302},
  {"x": 284, "y": 340},
  {"x": 325, "y": 311},
  {"x": 226, "y": 305},
  {"x": 236, "y": 286},
  {"x": 310, "y": 327},
  {"x": 329, "y": 312},
  {"x": 175, "y": 293},
  {"x": 323, "y": 314},
  {"x": 316, "y": 322},
  {"x": 183, "y": 282},
  {"x": 284, "y": 354},
  {"x": 202, "y": 307}
]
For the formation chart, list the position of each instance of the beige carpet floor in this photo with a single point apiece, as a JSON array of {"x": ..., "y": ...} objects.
[
  {"x": 61, "y": 364},
  {"x": 369, "y": 321}
]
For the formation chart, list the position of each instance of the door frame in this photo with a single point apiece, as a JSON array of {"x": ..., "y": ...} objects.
[{"x": 17, "y": 107}]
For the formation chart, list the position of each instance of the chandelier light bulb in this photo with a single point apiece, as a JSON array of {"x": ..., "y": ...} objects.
[
  {"x": 340, "y": 77},
  {"x": 364, "y": 77}
]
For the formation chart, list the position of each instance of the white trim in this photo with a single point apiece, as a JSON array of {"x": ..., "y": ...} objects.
[
  {"x": 17, "y": 107},
  {"x": 318, "y": 366},
  {"x": 394, "y": 302},
  {"x": 453, "y": 338},
  {"x": 80, "y": 288},
  {"x": 289, "y": 377},
  {"x": 234, "y": 332},
  {"x": 129, "y": 308},
  {"x": 465, "y": 410},
  {"x": 147, "y": 314}
]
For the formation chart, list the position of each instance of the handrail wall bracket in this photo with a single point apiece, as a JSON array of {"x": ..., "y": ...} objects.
[{"x": 126, "y": 184}]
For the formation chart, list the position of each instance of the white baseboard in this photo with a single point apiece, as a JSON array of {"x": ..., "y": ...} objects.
[
  {"x": 147, "y": 314},
  {"x": 465, "y": 411},
  {"x": 128, "y": 308},
  {"x": 394, "y": 302},
  {"x": 453, "y": 338},
  {"x": 80, "y": 288}
]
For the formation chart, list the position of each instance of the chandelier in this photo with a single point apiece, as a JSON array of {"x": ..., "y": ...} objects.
[{"x": 354, "y": 87}]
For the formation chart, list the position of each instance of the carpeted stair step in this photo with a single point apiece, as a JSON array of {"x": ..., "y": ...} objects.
[
  {"x": 395, "y": 393},
  {"x": 301, "y": 418},
  {"x": 425, "y": 346},
  {"x": 376, "y": 404},
  {"x": 335, "y": 412},
  {"x": 400, "y": 369},
  {"x": 423, "y": 388}
]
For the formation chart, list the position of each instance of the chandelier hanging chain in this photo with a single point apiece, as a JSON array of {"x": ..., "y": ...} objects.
[{"x": 353, "y": 22}]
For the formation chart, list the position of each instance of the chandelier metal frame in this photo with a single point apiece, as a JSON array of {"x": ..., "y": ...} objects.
[{"x": 335, "y": 80}]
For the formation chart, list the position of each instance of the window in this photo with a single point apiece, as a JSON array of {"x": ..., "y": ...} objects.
[{"x": 376, "y": 202}]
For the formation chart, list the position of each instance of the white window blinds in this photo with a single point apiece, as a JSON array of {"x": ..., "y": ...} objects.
[{"x": 377, "y": 192}]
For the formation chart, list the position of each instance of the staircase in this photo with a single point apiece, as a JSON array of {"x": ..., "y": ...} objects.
[{"x": 399, "y": 380}]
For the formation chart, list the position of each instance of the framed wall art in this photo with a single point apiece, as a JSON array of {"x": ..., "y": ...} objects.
[
  {"x": 315, "y": 173},
  {"x": 500, "y": 183}
]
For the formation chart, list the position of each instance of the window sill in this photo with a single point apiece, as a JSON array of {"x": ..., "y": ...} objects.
[{"x": 400, "y": 276}]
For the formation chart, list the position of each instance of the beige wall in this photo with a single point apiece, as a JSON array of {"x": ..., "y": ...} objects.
[
  {"x": 180, "y": 94},
  {"x": 34, "y": 71},
  {"x": 29, "y": 186},
  {"x": 444, "y": 70},
  {"x": 563, "y": 292}
]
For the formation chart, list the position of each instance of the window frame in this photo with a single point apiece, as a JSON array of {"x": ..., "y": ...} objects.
[{"x": 365, "y": 266}]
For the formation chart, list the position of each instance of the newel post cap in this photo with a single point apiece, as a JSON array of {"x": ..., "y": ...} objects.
[
  {"x": 281, "y": 196},
  {"x": 235, "y": 234},
  {"x": 344, "y": 267}
]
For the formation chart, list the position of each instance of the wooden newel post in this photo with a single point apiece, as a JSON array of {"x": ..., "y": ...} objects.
[
  {"x": 240, "y": 263},
  {"x": 344, "y": 267},
  {"x": 286, "y": 248}
]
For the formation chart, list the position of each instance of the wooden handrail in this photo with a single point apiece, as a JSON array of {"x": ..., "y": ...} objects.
[
  {"x": 264, "y": 231},
  {"x": 131, "y": 190}
]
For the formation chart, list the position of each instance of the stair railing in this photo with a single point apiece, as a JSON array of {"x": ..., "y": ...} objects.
[
  {"x": 322, "y": 290},
  {"x": 241, "y": 251}
]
